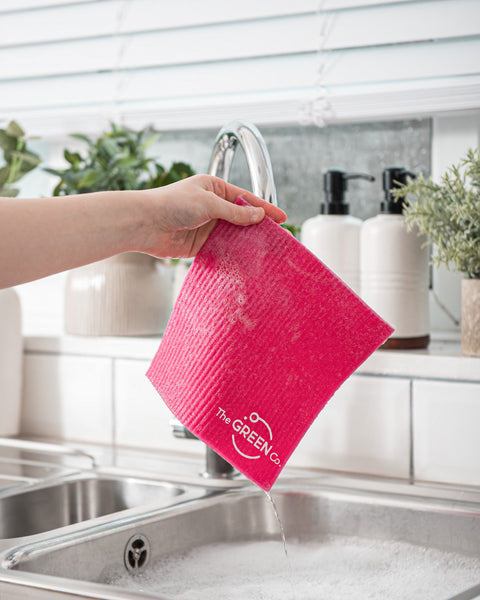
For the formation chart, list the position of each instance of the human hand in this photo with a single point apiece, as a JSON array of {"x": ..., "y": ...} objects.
[{"x": 183, "y": 214}]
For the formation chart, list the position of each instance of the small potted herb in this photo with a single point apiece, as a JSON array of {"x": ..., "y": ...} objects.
[
  {"x": 127, "y": 294},
  {"x": 18, "y": 159},
  {"x": 449, "y": 214},
  {"x": 116, "y": 160}
]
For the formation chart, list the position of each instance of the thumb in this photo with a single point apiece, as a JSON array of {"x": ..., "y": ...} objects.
[{"x": 236, "y": 214}]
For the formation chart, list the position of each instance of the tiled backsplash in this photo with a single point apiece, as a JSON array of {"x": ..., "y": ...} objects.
[
  {"x": 408, "y": 415},
  {"x": 300, "y": 154}
]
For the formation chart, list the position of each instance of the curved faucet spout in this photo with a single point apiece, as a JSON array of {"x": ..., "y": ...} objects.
[{"x": 256, "y": 153}]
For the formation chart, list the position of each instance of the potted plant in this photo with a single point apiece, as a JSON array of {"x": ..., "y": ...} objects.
[
  {"x": 18, "y": 160},
  {"x": 126, "y": 294},
  {"x": 449, "y": 214}
]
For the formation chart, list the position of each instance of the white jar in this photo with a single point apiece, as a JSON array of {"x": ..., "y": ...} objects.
[
  {"x": 394, "y": 268},
  {"x": 11, "y": 360}
]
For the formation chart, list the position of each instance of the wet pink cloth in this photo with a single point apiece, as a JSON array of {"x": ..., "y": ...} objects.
[{"x": 260, "y": 338}]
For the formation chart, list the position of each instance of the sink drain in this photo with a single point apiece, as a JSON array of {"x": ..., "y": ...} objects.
[{"x": 137, "y": 554}]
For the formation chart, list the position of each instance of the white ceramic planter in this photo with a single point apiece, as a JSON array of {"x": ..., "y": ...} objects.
[
  {"x": 128, "y": 294},
  {"x": 180, "y": 272},
  {"x": 471, "y": 317},
  {"x": 11, "y": 354}
]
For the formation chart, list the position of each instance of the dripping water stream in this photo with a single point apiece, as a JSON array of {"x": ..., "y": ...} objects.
[{"x": 284, "y": 541}]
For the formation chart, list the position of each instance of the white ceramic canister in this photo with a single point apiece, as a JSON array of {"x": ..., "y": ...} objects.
[
  {"x": 125, "y": 295},
  {"x": 394, "y": 268},
  {"x": 11, "y": 359}
]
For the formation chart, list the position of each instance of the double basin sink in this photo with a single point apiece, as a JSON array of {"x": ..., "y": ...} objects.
[{"x": 111, "y": 536}]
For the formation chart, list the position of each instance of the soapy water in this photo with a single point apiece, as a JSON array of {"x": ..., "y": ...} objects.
[{"x": 334, "y": 568}]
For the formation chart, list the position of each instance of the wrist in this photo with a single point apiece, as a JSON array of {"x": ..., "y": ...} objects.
[{"x": 146, "y": 212}]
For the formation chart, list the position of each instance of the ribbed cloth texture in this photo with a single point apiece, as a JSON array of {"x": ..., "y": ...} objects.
[{"x": 260, "y": 338}]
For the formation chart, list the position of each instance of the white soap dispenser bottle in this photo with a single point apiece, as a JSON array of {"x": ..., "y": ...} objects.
[
  {"x": 394, "y": 267},
  {"x": 334, "y": 235}
]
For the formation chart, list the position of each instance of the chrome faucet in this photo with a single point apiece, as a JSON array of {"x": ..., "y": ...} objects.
[
  {"x": 263, "y": 186},
  {"x": 256, "y": 153},
  {"x": 216, "y": 466}
]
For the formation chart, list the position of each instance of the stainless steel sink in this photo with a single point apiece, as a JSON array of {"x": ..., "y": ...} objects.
[
  {"x": 77, "y": 498},
  {"x": 120, "y": 558}
]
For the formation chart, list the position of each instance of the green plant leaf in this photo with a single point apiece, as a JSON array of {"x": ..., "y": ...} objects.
[
  {"x": 82, "y": 137},
  {"x": 151, "y": 139},
  {"x": 116, "y": 160},
  {"x": 293, "y": 229},
  {"x": 9, "y": 192},
  {"x": 7, "y": 142},
  {"x": 108, "y": 146},
  {"x": 27, "y": 157},
  {"x": 51, "y": 171},
  {"x": 4, "y": 173},
  {"x": 19, "y": 160},
  {"x": 14, "y": 130},
  {"x": 90, "y": 178},
  {"x": 73, "y": 158}
]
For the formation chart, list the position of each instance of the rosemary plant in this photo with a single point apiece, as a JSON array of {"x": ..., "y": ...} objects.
[{"x": 449, "y": 214}]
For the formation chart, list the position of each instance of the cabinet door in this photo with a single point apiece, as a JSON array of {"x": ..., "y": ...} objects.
[
  {"x": 365, "y": 428},
  {"x": 446, "y": 440},
  {"x": 68, "y": 397}
]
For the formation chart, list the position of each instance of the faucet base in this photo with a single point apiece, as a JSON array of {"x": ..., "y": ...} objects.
[{"x": 217, "y": 467}]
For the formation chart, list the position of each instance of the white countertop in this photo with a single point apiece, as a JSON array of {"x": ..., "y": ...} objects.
[{"x": 442, "y": 360}]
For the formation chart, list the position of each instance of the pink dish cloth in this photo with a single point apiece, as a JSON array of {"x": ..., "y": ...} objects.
[{"x": 260, "y": 338}]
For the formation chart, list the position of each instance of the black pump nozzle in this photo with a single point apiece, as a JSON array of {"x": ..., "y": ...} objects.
[
  {"x": 394, "y": 177},
  {"x": 335, "y": 185}
]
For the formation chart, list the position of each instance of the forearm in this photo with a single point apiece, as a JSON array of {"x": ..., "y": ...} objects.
[{"x": 39, "y": 237}]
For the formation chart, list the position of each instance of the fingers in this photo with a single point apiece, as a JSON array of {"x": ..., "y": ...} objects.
[
  {"x": 233, "y": 213},
  {"x": 231, "y": 192}
]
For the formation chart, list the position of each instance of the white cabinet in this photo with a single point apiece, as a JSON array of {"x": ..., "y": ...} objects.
[
  {"x": 68, "y": 397},
  {"x": 446, "y": 424},
  {"x": 142, "y": 419},
  {"x": 365, "y": 428},
  {"x": 408, "y": 415}
]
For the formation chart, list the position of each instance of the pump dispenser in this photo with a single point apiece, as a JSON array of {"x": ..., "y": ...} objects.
[
  {"x": 394, "y": 268},
  {"x": 334, "y": 235},
  {"x": 393, "y": 177}
]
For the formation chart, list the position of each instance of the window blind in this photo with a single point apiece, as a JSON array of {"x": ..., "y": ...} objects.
[{"x": 70, "y": 65}]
